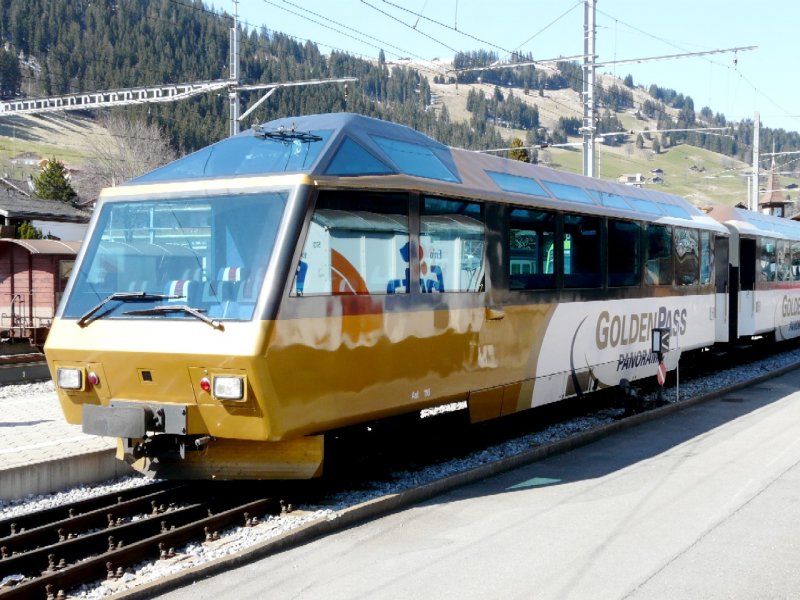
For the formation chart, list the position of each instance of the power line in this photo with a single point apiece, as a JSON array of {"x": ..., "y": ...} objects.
[
  {"x": 338, "y": 24},
  {"x": 435, "y": 22}
]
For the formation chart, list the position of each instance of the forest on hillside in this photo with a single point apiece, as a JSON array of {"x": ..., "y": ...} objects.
[
  {"x": 69, "y": 46},
  {"x": 55, "y": 47}
]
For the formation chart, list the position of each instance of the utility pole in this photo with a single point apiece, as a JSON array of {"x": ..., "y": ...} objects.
[
  {"x": 589, "y": 127},
  {"x": 754, "y": 188},
  {"x": 233, "y": 92}
]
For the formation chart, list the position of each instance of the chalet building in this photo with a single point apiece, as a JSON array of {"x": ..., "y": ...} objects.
[
  {"x": 774, "y": 201},
  {"x": 636, "y": 179}
]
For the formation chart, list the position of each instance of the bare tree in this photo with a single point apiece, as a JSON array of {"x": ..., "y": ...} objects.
[{"x": 127, "y": 149}]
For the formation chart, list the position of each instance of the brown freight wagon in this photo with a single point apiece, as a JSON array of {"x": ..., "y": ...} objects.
[{"x": 33, "y": 275}]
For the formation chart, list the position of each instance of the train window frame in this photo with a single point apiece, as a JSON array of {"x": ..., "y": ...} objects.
[
  {"x": 784, "y": 267},
  {"x": 610, "y": 199},
  {"x": 766, "y": 267},
  {"x": 216, "y": 160},
  {"x": 707, "y": 264},
  {"x": 416, "y": 159},
  {"x": 644, "y": 206},
  {"x": 175, "y": 248},
  {"x": 686, "y": 256},
  {"x": 618, "y": 257},
  {"x": 569, "y": 193},
  {"x": 658, "y": 266},
  {"x": 673, "y": 210},
  {"x": 795, "y": 261},
  {"x": 541, "y": 248},
  {"x": 442, "y": 220},
  {"x": 590, "y": 274},
  {"x": 517, "y": 184},
  {"x": 351, "y": 263},
  {"x": 352, "y": 159}
]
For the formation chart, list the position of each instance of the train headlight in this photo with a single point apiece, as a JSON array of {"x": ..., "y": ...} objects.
[
  {"x": 229, "y": 388},
  {"x": 70, "y": 379}
]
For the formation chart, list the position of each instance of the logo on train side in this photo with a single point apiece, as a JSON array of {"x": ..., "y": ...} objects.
[
  {"x": 791, "y": 306},
  {"x": 615, "y": 330}
]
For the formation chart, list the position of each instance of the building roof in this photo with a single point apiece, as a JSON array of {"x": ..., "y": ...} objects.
[
  {"x": 45, "y": 246},
  {"x": 16, "y": 206},
  {"x": 772, "y": 195}
]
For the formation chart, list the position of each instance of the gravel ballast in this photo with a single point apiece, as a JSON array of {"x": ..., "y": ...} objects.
[{"x": 239, "y": 540}]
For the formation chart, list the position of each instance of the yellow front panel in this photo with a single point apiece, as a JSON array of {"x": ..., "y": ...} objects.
[{"x": 308, "y": 375}]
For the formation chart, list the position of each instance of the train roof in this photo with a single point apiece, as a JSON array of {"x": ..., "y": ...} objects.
[
  {"x": 346, "y": 145},
  {"x": 748, "y": 222}
]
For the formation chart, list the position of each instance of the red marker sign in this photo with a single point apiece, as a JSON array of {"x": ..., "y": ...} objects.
[{"x": 662, "y": 373}]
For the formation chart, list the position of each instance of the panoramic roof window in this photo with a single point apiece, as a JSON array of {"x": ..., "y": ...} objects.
[
  {"x": 517, "y": 184},
  {"x": 673, "y": 210},
  {"x": 258, "y": 153},
  {"x": 645, "y": 206},
  {"x": 569, "y": 193},
  {"x": 415, "y": 159},
  {"x": 352, "y": 159},
  {"x": 610, "y": 200}
]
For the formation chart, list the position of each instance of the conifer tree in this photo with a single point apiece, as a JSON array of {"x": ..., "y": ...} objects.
[
  {"x": 518, "y": 151},
  {"x": 51, "y": 183},
  {"x": 26, "y": 231}
]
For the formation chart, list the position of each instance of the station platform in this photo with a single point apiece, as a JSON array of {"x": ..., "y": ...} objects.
[{"x": 40, "y": 453}]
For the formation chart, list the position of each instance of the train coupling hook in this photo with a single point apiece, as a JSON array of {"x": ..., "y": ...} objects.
[{"x": 203, "y": 441}]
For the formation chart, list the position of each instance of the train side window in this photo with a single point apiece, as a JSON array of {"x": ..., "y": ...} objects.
[
  {"x": 796, "y": 261},
  {"x": 687, "y": 256},
  {"x": 767, "y": 259},
  {"x": 784, "y": 260},
  {"x": 581, "y": 251},
  {"x": 452, "y": 241},
  {"x": 357, "y": 243},
  {"x": 624, "y": 261},
  {"x": 532, "y": 235},
  {"x": 658, "y": 258},
  {"x": 706, "y": 258}
]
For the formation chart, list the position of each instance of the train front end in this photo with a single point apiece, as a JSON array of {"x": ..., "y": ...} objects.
[{"x": 160, "y": 340}]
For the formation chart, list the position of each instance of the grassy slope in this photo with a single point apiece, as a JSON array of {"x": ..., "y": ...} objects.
[
  {"x": 68, "y": 138},
  {"x": 699, "y": 175}
]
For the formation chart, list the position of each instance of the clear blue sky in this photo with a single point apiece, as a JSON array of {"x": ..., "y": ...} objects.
[{"x": 762, "y": 80}]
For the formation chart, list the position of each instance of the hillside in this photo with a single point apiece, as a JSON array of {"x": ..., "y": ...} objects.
[
  {"x": 55, "y": 44},
  {"x": 701, "y": 176}
]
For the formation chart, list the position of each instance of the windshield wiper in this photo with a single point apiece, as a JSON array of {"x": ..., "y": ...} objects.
[
  {"x": 124, "y": 297},
  {"x": 166, "y": 308}
]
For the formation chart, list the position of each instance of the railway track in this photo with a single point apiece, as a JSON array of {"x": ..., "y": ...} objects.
[
  {"x": 47, "y": 553},
  {"x": 50, "y": 552},
  {"x": 22, "y": 368}
]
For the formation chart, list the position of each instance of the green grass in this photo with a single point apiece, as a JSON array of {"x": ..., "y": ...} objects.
[{"x": 701, "y": 176}]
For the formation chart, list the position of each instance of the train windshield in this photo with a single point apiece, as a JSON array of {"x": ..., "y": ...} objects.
[{"x": 154, "y": 259}]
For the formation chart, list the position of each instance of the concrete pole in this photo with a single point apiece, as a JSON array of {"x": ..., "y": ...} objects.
[
  {"x": 233, "y": 93},
  {"x": 589, "y": 128},
  {"x": 754, "y": 188}
]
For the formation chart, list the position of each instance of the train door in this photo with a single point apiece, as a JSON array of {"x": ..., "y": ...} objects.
[
  {"x": 745, "y": 298},
  {"x": 721, "y": 287}
]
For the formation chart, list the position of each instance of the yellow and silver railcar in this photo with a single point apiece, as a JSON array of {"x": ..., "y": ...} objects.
[
  {"x": 764, "y": 276},
  {"x": 230, "y": 308}
]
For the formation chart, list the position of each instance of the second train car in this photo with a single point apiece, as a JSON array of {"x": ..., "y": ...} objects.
[{"x": 230, "y": 308}]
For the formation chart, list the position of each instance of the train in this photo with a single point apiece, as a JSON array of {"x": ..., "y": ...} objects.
[{"x": 229, "y": 310}]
